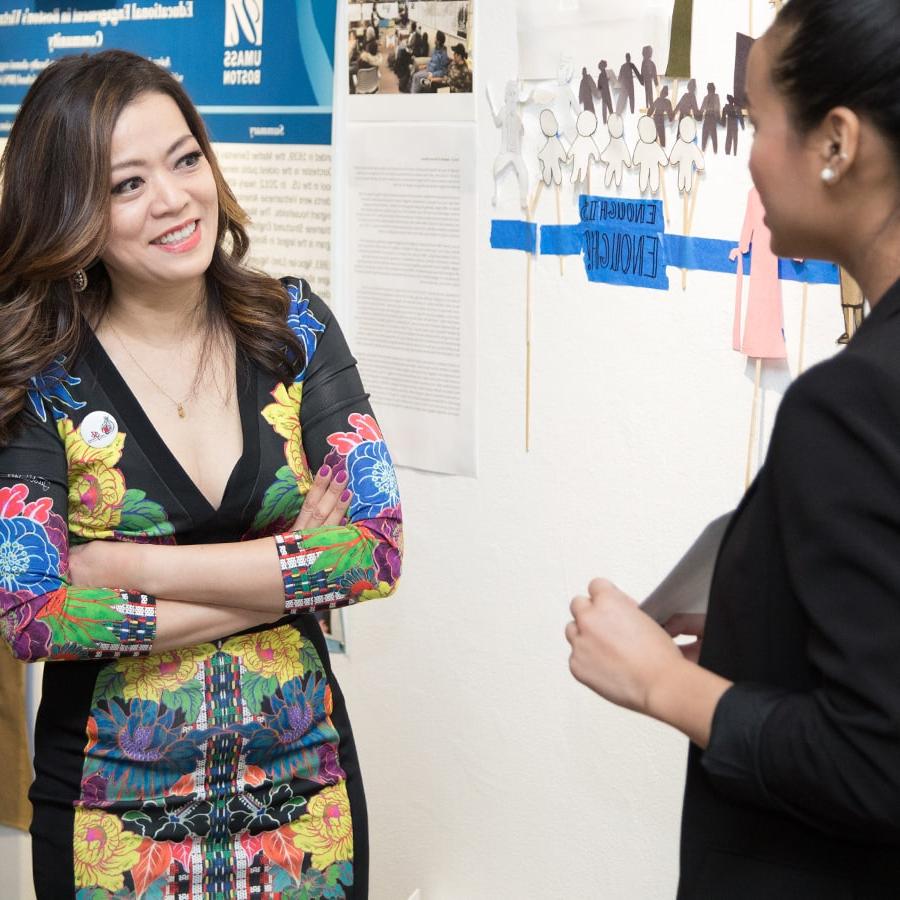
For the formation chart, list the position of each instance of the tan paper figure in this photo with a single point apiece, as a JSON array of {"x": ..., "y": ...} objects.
[
  {"x": 853, "y": 305},
  {"x": 616, "y": 155},
  {"x": 509, "y": 121},
  {"x": 648, "y": 156}
]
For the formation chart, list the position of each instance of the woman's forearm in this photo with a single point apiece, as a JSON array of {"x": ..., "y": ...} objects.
[
  {"x": 243, "y": 575},
  {"x": 186, "y": 624}
]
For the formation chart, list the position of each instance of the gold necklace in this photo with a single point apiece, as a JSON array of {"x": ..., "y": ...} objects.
[{"x": 179, "y": 405}]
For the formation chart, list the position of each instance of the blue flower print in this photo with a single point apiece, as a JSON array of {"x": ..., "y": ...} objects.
[
  {"x": 51, "y": 387},
  {"x": 27, "y": 557},
  {"x": 372, "y": 479},
  {"x": 141, "y": 748},
  {"x": 305, "y": 325}
]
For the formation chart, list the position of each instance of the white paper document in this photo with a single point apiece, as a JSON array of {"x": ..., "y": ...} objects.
[
  {"x": 686, "y": 588},
  {"x": 411, "y": 278}
]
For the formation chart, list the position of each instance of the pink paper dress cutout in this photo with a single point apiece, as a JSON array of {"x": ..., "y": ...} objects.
[{"x": 764, "y": 325}]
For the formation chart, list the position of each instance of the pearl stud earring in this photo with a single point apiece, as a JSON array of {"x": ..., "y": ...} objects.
[{"x": 828, "y": 174}]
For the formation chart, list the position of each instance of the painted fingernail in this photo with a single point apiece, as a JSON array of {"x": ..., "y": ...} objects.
[
  {"x": 341, "y": 477},
  {"x": 345, "y": 497},
  {"x": 324, "y": 472}
]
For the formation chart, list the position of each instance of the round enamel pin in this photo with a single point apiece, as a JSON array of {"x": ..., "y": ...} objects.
[{"x": 98, "y": 429}]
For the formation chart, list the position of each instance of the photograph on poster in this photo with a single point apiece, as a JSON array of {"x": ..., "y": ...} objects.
[{"x": 410, "y": 47}]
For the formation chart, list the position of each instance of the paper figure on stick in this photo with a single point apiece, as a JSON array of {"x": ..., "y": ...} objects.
[
  {"x": 687, "y": 157},
  {"x": 564, "y": 104},
  {"x": 660, "y": 109},
  {"x": 648, "y": 156},
  {"x": 732, "y": 116},
  {"x": 585, "y": 148},
  {"x": 627, "y": 74},
  {"x": 553, "y": 154},
  {"x": 603, "y": 90},
  {"x": 688, "y": 105},
  {"x": 679, "y": 65},
  {"x": 711, "y": 111},
  {"x": 648, "y": 76},
  {"x": 509, "y": 121},
  {"x": 852, "y": 306},
  {"x": 616, "y": 155},
  {"x": 586, "y": 91},
  {"x": 763, "y": 332}
]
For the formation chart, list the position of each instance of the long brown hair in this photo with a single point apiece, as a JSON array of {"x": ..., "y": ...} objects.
[{"x": 54, "y": 219}]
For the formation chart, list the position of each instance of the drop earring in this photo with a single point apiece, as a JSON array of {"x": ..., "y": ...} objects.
[{"x": 79, "y": 281}]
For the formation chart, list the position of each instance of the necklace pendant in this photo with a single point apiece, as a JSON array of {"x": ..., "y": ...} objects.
[{"x": 181, "y": 413}]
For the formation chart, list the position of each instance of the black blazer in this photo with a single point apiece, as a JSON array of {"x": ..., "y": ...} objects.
[{"x": 798, "y": 794}]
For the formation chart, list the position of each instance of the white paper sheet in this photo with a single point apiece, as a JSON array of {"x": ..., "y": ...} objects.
[
  {"x": 410, "y": 271},
  {"x": 686, "y": 588}
]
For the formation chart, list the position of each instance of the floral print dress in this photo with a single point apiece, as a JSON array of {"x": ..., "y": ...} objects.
[{"x": 226, "y": 769}]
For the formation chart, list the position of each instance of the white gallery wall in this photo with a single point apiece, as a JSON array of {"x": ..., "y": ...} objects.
[{"x": 490, "y": 773}]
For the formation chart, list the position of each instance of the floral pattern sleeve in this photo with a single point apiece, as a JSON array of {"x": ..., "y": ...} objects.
[
  {"x": 41, "y": 615},
  {"x": 338, "y": 565}
]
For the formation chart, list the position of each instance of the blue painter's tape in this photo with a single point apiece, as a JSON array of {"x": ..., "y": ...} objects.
[
  {"x": 702, "y": 254},
  {"x": 514, "y": 234},
  {"x": 623, "y": 214},
  {"x": 561, "y": 240},
  {"x": 812, "y": 271}
]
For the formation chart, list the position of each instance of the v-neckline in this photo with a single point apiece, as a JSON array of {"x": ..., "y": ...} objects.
[{"x": 157, "y": 451}]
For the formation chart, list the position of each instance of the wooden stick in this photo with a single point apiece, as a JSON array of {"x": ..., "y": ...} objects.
[
  {"x": 662, "y": 182},
  {"x": 528, "y": 356},
  {"x": 803, "y": 313},
  {"x": 534, "y": 202},
  {"x": 559, "y": 222},
  {"x": 694, "y": 192},
  {"x": 686, "y": 218},
  {"x": 753, "y": 423}
]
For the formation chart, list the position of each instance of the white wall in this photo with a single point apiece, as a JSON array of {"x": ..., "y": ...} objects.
[{"x": 490, "y": 773}]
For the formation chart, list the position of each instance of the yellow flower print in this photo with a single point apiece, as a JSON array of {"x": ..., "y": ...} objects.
[
  {"x": 326, "y": 831},
  {"x": 96, "y": 486},
  {"x": 284, "y": 416},
  {"x": 104, "y": 851},
  {"x": 147, "y": 678},
  {"x": 274, "y": 652}
]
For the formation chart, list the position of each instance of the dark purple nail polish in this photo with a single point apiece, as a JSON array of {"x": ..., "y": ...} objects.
[
  {"x": 346, "y": 496},
  {"x": 341, "y": 477},
  {"x": 324, "y": 472}
]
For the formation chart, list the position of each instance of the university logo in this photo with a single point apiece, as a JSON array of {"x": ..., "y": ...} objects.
[{"x": 243, "y": 22}]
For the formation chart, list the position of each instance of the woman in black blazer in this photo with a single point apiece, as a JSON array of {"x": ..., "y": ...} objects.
[{"x": 793, "y": 784}]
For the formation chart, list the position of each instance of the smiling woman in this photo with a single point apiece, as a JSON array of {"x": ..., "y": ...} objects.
[{"x": 163, "y": 410}]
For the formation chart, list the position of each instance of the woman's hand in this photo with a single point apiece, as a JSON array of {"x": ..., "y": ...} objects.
[
  {"x": 327, "y": 501},
  {"x": 617, "y": 649},
  {"x": 104, "y": 564},
  {"x": 692, "y": 624}
]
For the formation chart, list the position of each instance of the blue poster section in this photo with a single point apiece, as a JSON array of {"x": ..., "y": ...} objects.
[{"x": 260, "y": 72}]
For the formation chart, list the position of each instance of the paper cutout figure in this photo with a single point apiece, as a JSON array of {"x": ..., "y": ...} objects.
[
  {"x": 648, "y": 156},
  {"x": 732, "y": 116},
  {"x": 626, "y": 85},
  {"x": 688, "y": 105},
  {"x": 742, "y": 46},
  {"x": 603, "y": 90},
  {"x": 662, "y": 107},
  {"x": 852, "y": 306},
  {"x": 679, "y": 65},
  {"x": 565, "y": 106},
  {"x": 586, "y": 91},
  {"x": 553, "y": 154},
  {"x": 585, "y": 147},
  {"x": 687, "y": 157},
  {"x": 711, "y": 110},
  {"x": 648, "y": 76},
  {"x": 763, "y": 336},
  {"x": 616, "y": 155},
  {"x": 509, "y": 121}
]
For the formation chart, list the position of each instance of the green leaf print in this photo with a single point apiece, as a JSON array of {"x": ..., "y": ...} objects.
[
  {"x": 339, "y": 872},
  {"x": 188, "y": 698},
  {"x": 257, "y": 689},
  {"x": 281, "y": 879},
  {"x": 281, "y": 503},
  {"x": 309, "y": 659},
  {"x": 142, "y": 517},
  {"x": 340, "y": 550},
  {"x": 90, "y": 617},
  {"x": 110, "y": 683}
]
